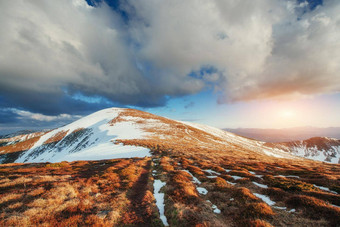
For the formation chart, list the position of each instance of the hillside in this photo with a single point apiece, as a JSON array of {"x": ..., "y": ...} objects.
[
  {"x": 124, "y": 167},
  {"x": 316, "y": 148}
]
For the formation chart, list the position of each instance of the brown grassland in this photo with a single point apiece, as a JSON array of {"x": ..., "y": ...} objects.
[
  {"x": 82, "y": 193},
  {"x": 120, "y": 193}
]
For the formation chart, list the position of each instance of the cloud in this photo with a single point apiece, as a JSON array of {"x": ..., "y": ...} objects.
[
  {"x": 41, "y": 117},
  {"x": 50, "y": 47},
  {"x": 53, "y": 50},
  {"x": 263, "y": 49},
  {"x": 12, "y": 119}
]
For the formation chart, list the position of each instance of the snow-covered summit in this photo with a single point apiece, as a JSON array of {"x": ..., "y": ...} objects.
[{"x": 89, "y": 138}]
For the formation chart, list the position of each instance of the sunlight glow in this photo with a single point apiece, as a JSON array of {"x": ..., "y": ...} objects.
[{"x": 287, "y": 114}]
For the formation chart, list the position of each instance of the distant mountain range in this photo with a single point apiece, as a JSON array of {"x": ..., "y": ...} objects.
[
  {"x": 18, "y": 133},
  {"x": 286, "y": 134}
]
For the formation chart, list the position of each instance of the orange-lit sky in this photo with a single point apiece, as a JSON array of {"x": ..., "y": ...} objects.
[{"x": 316, "y": 111}]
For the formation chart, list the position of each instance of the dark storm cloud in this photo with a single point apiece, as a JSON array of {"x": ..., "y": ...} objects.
[{"x": 48, "y": 103}]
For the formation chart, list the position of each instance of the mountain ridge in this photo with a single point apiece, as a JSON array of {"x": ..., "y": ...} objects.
[
  {"x": 106, "y": 129},
  {"x": 316, "y": 148},
  {"x": 122, "y": 132},
  {"x": 286, "y": 134}
]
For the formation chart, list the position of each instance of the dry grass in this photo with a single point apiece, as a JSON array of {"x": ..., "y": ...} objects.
[
  {"x": 289, "y": 184},
  {"x": 315, "y": 208},
  {"x": 70, "y": 194},
  {"x": 183, "y": 189},
  {"x": 255, "y": 223},
  {"x": 57, "y": 137},
  {"x": 241, "y": 173},
  {"x": 221, "y": 183},
  {"x": 257, "y": 210},
  {"x": 195, "y": 170},
  {"x": 244, "y": 195},
  {"x": 119, "y": 192},
  {"x": 20, "y": 146}
]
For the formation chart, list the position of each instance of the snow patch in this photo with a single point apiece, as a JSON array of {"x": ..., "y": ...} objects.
[
  {"x": 265, "y": 198},
  {"x": 287, "y": 176},
  {"x": 212, "y": 172},
  {"x": 214, "y": 207},
  {"x": 106, "y": 152},
  {"x": 195, "y": 180},
  {"x": 202, "y": 190},
  {"x": 157, "y": 185},
  {"x": 260, "y": 185},
  {"x": 325, "y": 189},
  {"x": 236, "y": 177},
  {"x": 280, "y": 208}
]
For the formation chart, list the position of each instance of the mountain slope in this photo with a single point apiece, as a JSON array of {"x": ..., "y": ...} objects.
[
  {"x": 316, "y": 148},
  {"x": 89, "y": 138},
  {"x": 99, "y": 136},
  {"x": 192, "y": 175}
]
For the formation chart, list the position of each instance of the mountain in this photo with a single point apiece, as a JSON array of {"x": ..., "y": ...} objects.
[
  {"x": 124, "y": 167},
  {"x": 316, "y": 148},
  {"x": 98, "y": 136},
  {"x": 286, "y": 134},
  {"x": 18, "y": 133}
]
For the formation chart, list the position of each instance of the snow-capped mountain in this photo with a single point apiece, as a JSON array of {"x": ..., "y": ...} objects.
[
  {"x": 316, "y": 148},
  {"x": 106, "y": 134}
]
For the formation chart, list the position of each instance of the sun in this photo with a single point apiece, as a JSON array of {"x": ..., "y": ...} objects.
[{"x": 287, "y": 113}]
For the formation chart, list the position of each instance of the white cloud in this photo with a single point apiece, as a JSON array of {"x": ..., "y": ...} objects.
[
  {"x": 41, "y": 117},
  {"x": 260, "y": 49}
]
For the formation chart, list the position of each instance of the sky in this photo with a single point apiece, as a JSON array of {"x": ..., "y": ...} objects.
[{"x": 228, "y": 64}]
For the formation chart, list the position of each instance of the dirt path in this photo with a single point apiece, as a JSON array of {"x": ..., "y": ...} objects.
[{"x": 140, "y": 210}]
